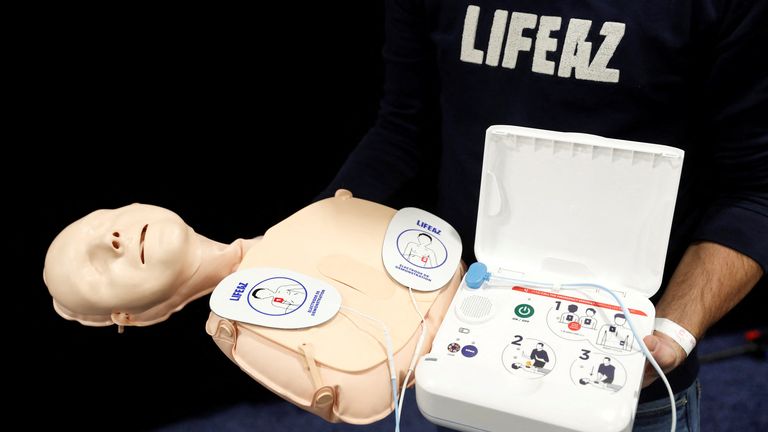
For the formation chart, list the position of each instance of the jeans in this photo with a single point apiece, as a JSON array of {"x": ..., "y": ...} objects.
[{"x": 654, "y": 416}]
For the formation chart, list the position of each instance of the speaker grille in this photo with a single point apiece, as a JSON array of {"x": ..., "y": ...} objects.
[{"x": 476, "y": 307}]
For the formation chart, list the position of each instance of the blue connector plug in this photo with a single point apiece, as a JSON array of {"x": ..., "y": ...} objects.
[{"x": 476, "y": 275}]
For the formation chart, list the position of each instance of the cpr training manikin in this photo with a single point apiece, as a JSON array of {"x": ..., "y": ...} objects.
[{"x": 136, "y": 265}]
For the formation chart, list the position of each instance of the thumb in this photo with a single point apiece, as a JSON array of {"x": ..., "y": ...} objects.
[{"x": 663, "y": 350}]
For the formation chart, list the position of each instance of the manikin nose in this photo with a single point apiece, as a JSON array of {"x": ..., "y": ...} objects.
[{"x": 115, "y": 241}]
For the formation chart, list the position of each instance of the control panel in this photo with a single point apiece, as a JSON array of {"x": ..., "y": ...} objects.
[{"x": 521, "y": 358}]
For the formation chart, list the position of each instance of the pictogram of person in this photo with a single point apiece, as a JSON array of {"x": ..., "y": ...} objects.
[
  {"x": 616, "y": 335},
  {"x": 588, "y": 320},
  {"x": 539, "y": 356},
  {"x": 570, "y": 316},
  {"x": 606, "y": 371},
  {"x": 287, "y": 297},
  {"x": 419, "y": 252}
]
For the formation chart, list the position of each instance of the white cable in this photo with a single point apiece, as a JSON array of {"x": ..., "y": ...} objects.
[
  {"x": 627, "y": 315},
  {"x": 644, "y": 348},
  {"x": 390, "y": 360},
  {"x": 416, "y": 353}
]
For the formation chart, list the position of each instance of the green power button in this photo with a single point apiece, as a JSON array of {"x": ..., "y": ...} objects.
[{"x": 524, "y": 310}]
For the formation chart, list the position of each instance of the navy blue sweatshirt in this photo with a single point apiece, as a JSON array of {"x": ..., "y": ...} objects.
[{"x": 680, "y": 73}]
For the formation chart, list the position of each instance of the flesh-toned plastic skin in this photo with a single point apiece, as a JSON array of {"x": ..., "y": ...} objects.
[
  {"x": 337, "y": 370},
  {"x": 136, "y": 265},
  {"x": 133, "y": 266}
]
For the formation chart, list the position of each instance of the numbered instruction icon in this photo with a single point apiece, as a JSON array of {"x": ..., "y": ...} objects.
[
  {"x": 597, "y": 371},
  {"x": 528, "y": 358}
]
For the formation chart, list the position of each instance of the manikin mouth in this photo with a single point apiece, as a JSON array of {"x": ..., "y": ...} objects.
[{"x": 141, "y": 242}]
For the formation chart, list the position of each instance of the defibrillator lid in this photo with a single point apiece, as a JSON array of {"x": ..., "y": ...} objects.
[{"x": 571, "y": 207}]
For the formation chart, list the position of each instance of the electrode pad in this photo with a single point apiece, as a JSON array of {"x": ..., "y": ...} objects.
[
  {"x": 277, "y": 298},
  {"x": 421, "y": 250}
]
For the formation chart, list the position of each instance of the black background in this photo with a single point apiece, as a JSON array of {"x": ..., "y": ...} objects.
[{"x": 234, "y": 119}]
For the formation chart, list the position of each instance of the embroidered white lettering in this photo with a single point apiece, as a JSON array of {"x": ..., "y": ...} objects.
[
  {"x": 515, "y": 40},
  {"x": 469, "y": 53},
  {"x": 497, "y": 36},
  {"x": 575, "y": 54},
  {"x": 545, "y": 44},
  {"x": 576, "y": 49}
]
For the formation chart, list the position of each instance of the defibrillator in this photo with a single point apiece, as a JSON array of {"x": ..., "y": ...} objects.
[{"x": 545, "y": 331}]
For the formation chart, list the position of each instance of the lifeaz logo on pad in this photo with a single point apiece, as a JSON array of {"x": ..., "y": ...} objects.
[
  {"x": 427, "y": 227},
  {"x": 238, "y": 292}
]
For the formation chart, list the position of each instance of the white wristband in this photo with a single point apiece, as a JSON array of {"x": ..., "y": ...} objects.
[{"x": 672, "y": 329}]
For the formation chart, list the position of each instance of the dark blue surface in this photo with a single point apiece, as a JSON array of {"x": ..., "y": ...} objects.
[{"x": 735, "y": 398}]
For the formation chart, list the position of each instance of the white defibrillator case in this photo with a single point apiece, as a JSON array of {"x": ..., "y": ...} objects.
[{"x": 556, "y": 209}]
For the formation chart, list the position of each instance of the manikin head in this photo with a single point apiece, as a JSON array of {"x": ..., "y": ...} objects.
[
  {"x": 424, "y": 239},
  {"x": 619, "y": 319},
  {"x": 590, "y": 312},
  {"x": 118, "y": 262}
]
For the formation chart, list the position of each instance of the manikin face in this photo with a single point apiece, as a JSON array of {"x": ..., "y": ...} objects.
[
  {"x": 121, "y": 260},
  {"x": 424, "y": 239}
]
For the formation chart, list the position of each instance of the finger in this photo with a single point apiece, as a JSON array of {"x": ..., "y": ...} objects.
[
  {"x": 649, "y": 374},
  {"x": 663, "y": 351}
]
